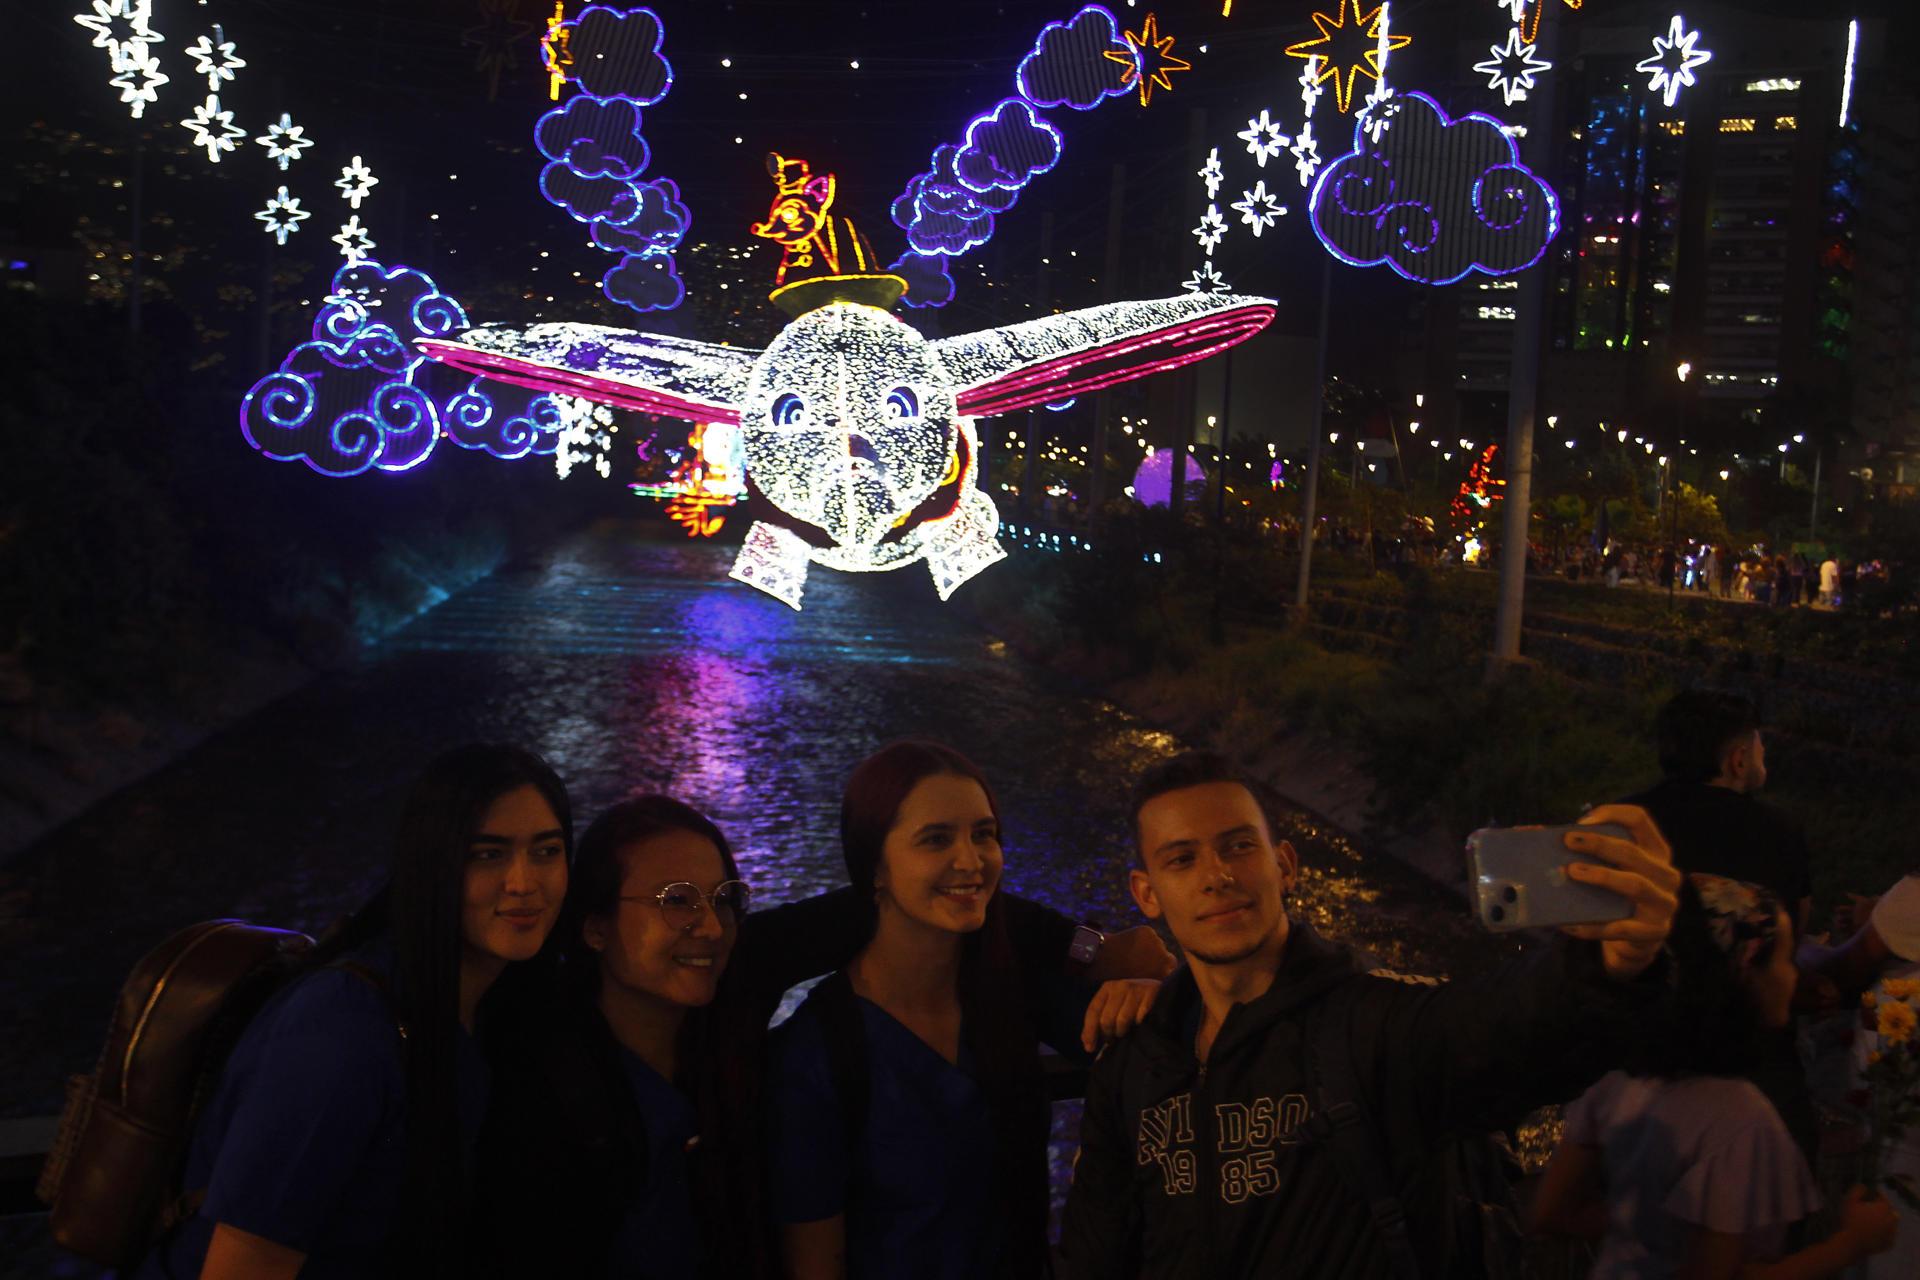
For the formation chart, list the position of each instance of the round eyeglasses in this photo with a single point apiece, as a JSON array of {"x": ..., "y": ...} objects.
[{"x": 682, "y": 904}]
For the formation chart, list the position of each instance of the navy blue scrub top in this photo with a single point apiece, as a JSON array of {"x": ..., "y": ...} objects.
[
  {"x": 304, "y": 1141},
  {"x": 920, "y": 1200},
  {"x": 659, "y": 1239}
]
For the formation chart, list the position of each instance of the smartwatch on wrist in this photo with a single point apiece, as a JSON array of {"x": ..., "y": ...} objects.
[{"x": 1085, "y": 948}]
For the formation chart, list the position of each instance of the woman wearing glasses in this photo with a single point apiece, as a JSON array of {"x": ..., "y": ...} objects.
[{"x": 625, "y": 1139}]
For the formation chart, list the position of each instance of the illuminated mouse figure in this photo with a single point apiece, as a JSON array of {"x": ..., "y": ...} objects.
[{"x": 857, "y": 431}]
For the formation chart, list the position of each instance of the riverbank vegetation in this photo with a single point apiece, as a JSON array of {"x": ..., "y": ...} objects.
[{"x": 1392, "y": 666}]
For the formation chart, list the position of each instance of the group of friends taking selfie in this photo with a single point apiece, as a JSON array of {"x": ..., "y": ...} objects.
[{"x": 530, "y": 1055}]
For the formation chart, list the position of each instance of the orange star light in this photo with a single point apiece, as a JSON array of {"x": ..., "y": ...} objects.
[
  {"x": 1148, "y": 61},
  {"x": 1342, "y": 70},
  {"x": 554, "y": 54},
  {"x": 1532, "y": 20}
]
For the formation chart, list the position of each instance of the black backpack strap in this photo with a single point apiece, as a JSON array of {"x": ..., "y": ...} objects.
[
  {"x": 1346, "y": 1129},
  {"x": 378, "y": 981},
  {"x": 848, "y": 1065}
]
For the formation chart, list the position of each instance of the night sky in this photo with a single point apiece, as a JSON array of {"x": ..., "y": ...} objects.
[{"x": 407, "y": 86}]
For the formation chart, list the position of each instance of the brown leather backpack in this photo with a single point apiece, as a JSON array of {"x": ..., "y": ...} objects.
[{"x": 114, "y": 1178}]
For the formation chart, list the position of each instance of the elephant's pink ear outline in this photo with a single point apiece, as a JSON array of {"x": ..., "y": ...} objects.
[
  {"x": 1057, "y": 357},
  {"x": 652, "y": 373}
]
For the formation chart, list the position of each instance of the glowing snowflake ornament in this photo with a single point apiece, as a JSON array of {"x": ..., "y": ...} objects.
[
  {"x": 1211, "y": 173},
  {"x": 213, "y": 128},
  {"x": 1673, "y": 60},
  {"x": 1206, "y": 278},
  {"x": 284, "y": 141},
  {"x": 1260, "y": 208},
  {"x": 1212, "y": 227},
  {"x": 1263, "y": 138},
  {"x": 213, "y": 58},
  {"x": 282, "y": 216},
  {"x": 354, "y": 240},
  {"x": 139, "y": 81},
  {"x": 857, "y": 431},
  {"x": 1512, "y": 68},
  {"x": 355, "y": 181}
]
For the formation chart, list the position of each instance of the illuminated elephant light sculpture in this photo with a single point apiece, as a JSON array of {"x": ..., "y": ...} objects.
[{"x": 858, "y": 431}]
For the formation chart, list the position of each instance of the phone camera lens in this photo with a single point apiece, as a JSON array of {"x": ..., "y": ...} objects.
[
  {"x": 1496, "y": 914},
  {"x": 1510, "y": 894}
]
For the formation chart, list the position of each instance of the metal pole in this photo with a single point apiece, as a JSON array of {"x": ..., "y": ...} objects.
[
  {"x": 1524, "y": 387},
  {"x": 135, "y": 202},
  {"x": 1226, "y": 402},
  {"x": 1813, "y": 516},
  {"x": 1110, "y": 292},
  {"x": 1310, "y": 494}
]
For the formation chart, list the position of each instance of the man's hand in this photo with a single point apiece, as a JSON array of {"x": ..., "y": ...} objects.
[
  {"x": 1642, "y": 872},
  {"x": 1117, "y": 1008},
  {"x": 1136, "y": 953}
]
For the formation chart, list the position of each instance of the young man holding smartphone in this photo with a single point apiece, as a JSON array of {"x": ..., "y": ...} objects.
[{"x": 1204, "y": 1147}]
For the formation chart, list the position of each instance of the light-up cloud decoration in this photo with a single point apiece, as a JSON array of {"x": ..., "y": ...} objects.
[
  {"x": 1434, "y": 198},
  {"x": 857, "y": 432},
  {"x": 358, "y": 396},
  {"x": 597, "y": 155},
  {"x": 949, "y": 208}
]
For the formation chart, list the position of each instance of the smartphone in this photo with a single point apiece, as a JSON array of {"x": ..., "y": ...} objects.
[{"x": 1518, "y": 878}]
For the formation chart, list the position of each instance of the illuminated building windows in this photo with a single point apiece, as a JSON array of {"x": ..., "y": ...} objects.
[
  {"x": 1785, "y": 124},
  {"x": 1737, "y": 124},
  {"x": 1673, "y": 128}
]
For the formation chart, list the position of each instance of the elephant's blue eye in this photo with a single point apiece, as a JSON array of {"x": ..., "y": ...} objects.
[
  {"x": 788, "y": 410},
  {"x": 901, "y": 403}
]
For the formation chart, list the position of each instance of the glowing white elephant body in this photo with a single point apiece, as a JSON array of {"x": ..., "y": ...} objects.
[{"x": 858, "y": 431}]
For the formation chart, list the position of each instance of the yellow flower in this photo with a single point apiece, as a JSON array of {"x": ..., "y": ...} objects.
[
  {"x": 1867, "y": 1001},
  {"x": 1902, "y": 988},
  {"x": 1873, "y": 1056},
  {"x": 1896, "y": 1021}
]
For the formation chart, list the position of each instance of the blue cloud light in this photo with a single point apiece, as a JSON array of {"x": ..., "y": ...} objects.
[
  {"x": 506, "y": 421},
  {"x": 594, "y": 138},
  {"x": 645, "y": 282},
  {"x": 928, "y": 282},
  {"x": 1007, "y": 147},
  {"x": 616, "y": 54},
  {"x": 659, "y": 221},
  {"x": 1068, "y": 66},
  {"x": 347, "y": 401},
  {"x": 1434, "y": 198}
]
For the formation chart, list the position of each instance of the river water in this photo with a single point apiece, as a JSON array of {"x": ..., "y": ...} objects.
[{"x": 632, "y": 664}]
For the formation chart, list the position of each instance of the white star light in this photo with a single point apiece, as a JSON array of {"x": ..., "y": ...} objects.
[
  {"x": 121, "y": 28},
  {"x": 213, "y": 58},
  {"x": 1212, "y": 227},
  {"x": 282, "y": 216},
  {"x": 1377, "y": 110},
  {"x": 1310, "y": 89},
  {"x": 1673, "y": 60},
  {"x": 1210, "y": 173},
  {"x": 355, "y": 181},
  {"x": 1512, "y": 68},
  {"x": 138, "y": 82},
  {"x": 1263, "y": 138},
  {"x": 1260, "y": 209},
  {"x": 354, "y": 240},
  {"x": 1306, "y": 155},
  {"x": 202, "y": 125},
  {"x": 1515, "y": 7},
  {"x": 1206, "y": 278},
  {"x": 283, "y": 141}
]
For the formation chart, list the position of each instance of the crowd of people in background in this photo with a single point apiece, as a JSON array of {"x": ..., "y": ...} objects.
[{"x": 530, "y": 1056}]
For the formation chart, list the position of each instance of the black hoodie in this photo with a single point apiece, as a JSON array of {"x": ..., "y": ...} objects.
[{"x": 1204, "y": 1171}]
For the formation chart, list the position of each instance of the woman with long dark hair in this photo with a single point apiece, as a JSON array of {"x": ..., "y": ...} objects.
[
  {"x": 1679, "y": 1164},
  {"x": 909, "y": 1117},
  {"x": 340, "y": 1137},
  {"x": 641, "y": 1158}
]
